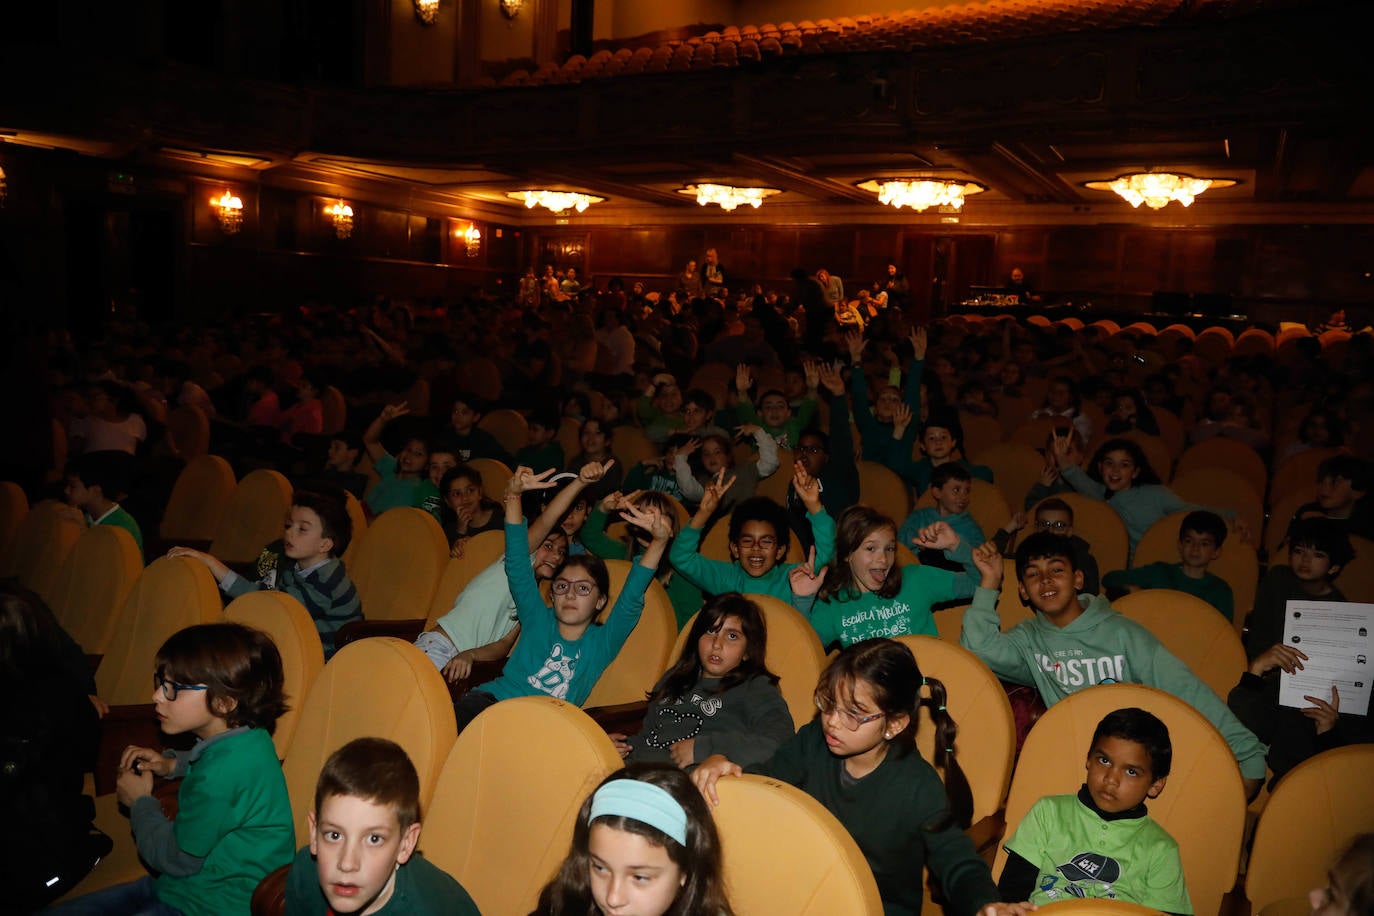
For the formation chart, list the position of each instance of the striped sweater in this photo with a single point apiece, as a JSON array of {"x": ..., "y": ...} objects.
[{"x": 325, "y": 590}]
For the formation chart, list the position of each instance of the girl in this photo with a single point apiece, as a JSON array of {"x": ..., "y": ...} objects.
[
  {"x": 1129, "y": 411},
  {"x": 465, "y": 510},
  {"x": 719, "y": 697},
  {"x": 1350, "y": 887},
  {"x": 644, "y": 842},
  {"x": 685, "y": 597},
  {"x": 560, "y": 652},
  {"x": 403, "y": 475},
  {"x": 595, "y": 440},
  {"x": 863, "y": 593},
  {"x": 716, "y": 454},
  {"x": 221, "y": 682},
  {"x": 1121, "y": 475},
  {"x": 113, "y": 421},
  {"x": 1063, "y": 400},
  {"x": 858, "y": 758}
]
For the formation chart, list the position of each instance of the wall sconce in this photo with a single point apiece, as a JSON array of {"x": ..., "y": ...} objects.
[
  {"x": 427, "y": 11},
  {"x": 4, "y": 188},
  {"x": 472, "y": 240},
  {"x": 511, "y": 8},
  {"x": 342, "y": 215},
  {"x": 229, "y": 210}
]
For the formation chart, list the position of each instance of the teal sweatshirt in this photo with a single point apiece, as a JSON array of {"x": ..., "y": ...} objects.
[
  {"x": 1210, "y": 588},
  {"x": 1100, "y": 647},
  {"x": 716, "y": 577},
  {"x": 1140, "y": 506}
]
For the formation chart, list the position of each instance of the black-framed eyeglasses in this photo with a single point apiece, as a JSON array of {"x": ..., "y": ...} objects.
[
  {"x": 581, "y": 588},
  {"x": 1053, "y": 526},
  {"x": 811, "y": 449},
  {"x": 170, "y": 689}
]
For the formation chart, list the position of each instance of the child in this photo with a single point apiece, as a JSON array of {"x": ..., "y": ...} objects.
[
  {"x": 542, "y": 451},
  {"x": 829, "y": 458},
  {"x": 1342, "y": 484},
  {"x": 1051, "y": 482},
  {"x": 952, "y": 485},
  {"x": 221, "y": 682},
  {"x": 863, "y": 593},
  {"x": 443, "y": 457},
  {"x": 318, "y": 530},
  {"x": 94, "y": 481},
  {"x": 1077, "y": 641},
  {"x": 1062, "y": 400},
  {"x": 875, "y": 426},
  {"x": 659, "y": 474},
  {"x": 562, "y": 653},
  {"x": 717, "y": 457},
  {"x": 1200, "y": 537},
  {"x": 469, "y": 440},
  {"x": 718, "y": 697},
  {"x": 942, "y": 435},
  {"x": 759, "y": 540},
  {"x": 341, "y": 464},
  {"x": 659, "y": 409},
  {"x": 1317, "y": 552},
  {"x": 1350, "y": 883},
  {"x": 1055, "y": 516},
  {"x": 595, "y": 441},
  {"x": 466, "y": 510},
  {"x": 644, "y": 842},
  {"x": 774, "y": 414},
  {"x": 1121, "y": 475},
  {"x": 483, "y": 624},
  {"x": 858, "y": 758},
  {"x": 1101, "y": 842},
  {"x": 363, "y": 830},
  {"x": 402, "y": 476},
  {"x": 684, "y": 596}
]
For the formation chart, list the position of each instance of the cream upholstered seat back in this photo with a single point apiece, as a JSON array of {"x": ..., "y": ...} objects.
[
  {"x": 1316, "y": 809},
  {"x": 14, "y": 508},
  {"x": 93, "y": 584},
  {"x": 288, "y": 623},
  {"x": 1202, "y": 805},
  {"x": 398, "y": 564},
  {"x": 508, "y": 795},
  {"x": 1192, "y": 630},
  {"x": 479, "y": 551},
  {"x": 199, "y": 497},
  {"x": 42, "y": 543},
  {"x": 383, "y": 688},
  {"x": 645, "y": 654},
  {"x": 985, "y": 745},
  {"x": 173, "y": 593},
  {"x": 785, "y": 853},
  {"x": 254, "y": 517},
  {"x": 882, "y": 488}
]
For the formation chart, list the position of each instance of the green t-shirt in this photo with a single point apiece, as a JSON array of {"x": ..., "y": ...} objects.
[
  {"x": 1079, "y": 854},
  {"x": 232, "y": 812},
  {"x": 422, "y": 889},
  {"x": 1210, "y": 588},
  {"x": 120, "y": 519},
  {"x": 392, "y": 491}
]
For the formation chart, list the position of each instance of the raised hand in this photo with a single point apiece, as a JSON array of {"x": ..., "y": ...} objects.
[
  {"x": 715, "y": 489},
  {"x": 1063, "y": 451},
  {"x": 989, "y": 563},
  {"x": 812, "y": 373},
  {"x": 525, "y": 479},
  {"x": 1014, "y": 524},
  {"x": 392, "y": 411},
  {"x": 936, "y": 536},
  {"x": 803, "y": 577},
  {"x": 744, "y": 379},
  {"x": 651, "y": 520},
  {"x": 593, "y": 471},
  {"x": 808, "y": 488},
  {"x": 854, "y": 341},
  {"x": 831, "y": 378},
  {"x": 901, "y": 419},
  {"x": 686, "y": 448},
  {"x": 747, "y": 430},
  {"x": 616, "y": 501},
  {"x": 918, "y": 343}
]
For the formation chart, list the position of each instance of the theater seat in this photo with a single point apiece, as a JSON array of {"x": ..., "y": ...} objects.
[
  {"x": 14, "y": 508},
  {"x": 398, "y": 564},
  {"x": 199, "y": 497},
  {"x": 495, "y": 476},
  {"x": 645, "y": 654},
  {"x": 502, "y": 817},
  {"x": 1194, "y": 631},
  {"x": 42, "y": 543},
  {"x": 189, "y": 430},
  {"x": 509, "y": 427},
  {"x": 479, "y": 552},
  {"x": 93, "y": 584},
  {"x": 1097, "y": 523},
  {"x": 1238, "y": 564},
  {"x": 288, "y": 623},
  {"x": 253, "y": 518}
]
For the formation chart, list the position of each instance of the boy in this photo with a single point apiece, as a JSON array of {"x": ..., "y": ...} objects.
[
  {"x": 318, "y": 530},
  {"x": 952, "y": 486},
  {"x": 442, "y": 457},
  {"x": 1055, "y": 517},
  {"x": 828, "y": 458},
  {"x": 93, "y": 481},
  {"x": 402, "y": 476},
  {"x": 774, "y": 414},
  {"x": 758, "y": 541},
  {"x": 341, "y": 464},
  {"x": 940, "y": 437},
  {"x": 1318, "y": 550},
  {"x": 659, "y": 473},
  {"x": 469, "y": 441},
  {"x": 543, "y": 451},
  {"x": 363, "y": 831},
  {"x": 1077, "y": 641},
  {"x": 1200, "y": 537},
  {"x": 1342, "y": 484},
  {"x": 1102, "y": 843}
]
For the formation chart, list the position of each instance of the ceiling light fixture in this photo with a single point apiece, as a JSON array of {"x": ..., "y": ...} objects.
[
  {"x": 511, "y": 8},
  {"x": 726, "y": 196},
  {"x": 427, "y": 11},
  {"x": 1156, "y": 189},
  {"x": 556, "y": 201},
  {"x": 472, "y": 240},
  {"x": 921, "y": 193},
  {"x": 342, "y": 214},
  {"x": 229, "y": 210}
]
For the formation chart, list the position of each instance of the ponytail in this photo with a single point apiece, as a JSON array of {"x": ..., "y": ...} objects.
[{"x": 958, "y": 795}]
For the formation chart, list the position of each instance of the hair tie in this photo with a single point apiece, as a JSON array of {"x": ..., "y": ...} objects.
[
  {"x": 923, "y": 681},
  {"x": 949, "y": 750},
  {"x": 941, "y": 708},
  {"x": 643, "y": 802}
]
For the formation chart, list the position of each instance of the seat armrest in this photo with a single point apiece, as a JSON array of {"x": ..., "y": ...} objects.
[
  {"x": 624, "y": 718},
  {"x": 362, "y": 629},
  {"x": 481, "y": 673},
  {"x": 124, "y": 726},
  {"x": 269, "y": 898}
]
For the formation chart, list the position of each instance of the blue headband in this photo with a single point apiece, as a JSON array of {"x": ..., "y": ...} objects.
[{"x": 643, "y": 802}]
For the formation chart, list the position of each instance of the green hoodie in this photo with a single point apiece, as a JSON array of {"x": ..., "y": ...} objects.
[{"x": 1099, "y": 647}]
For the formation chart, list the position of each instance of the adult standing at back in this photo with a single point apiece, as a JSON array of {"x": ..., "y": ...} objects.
[{"x": 712, "y": 275}]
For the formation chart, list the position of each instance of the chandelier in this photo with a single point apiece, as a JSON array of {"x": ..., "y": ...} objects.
[
  {"x": 511, "y": 8},
  {"x": 727, "y": 197},
  {"x": 557, "y": 201},
  {"x": 342, "y": 214},
  {"x": 229, "y": 210},
  {"x": 921, "y": 193},
  {"x": 1156, "y": 189},
  {"x": 427, "y": 11}
]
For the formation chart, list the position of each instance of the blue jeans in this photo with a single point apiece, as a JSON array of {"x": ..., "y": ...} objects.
[{"x": 137, "y": 898}]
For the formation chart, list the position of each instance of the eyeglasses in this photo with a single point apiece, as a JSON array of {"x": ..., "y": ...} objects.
[
  {"x": 811, "y": 449},
  {"x": 1053, "y": 526},
  {"x": 851, "y": 720},
  {"x": 581, "y": 588},
  {"x": 170, "y": 689},
  {"x": 766, "y": 542}
]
